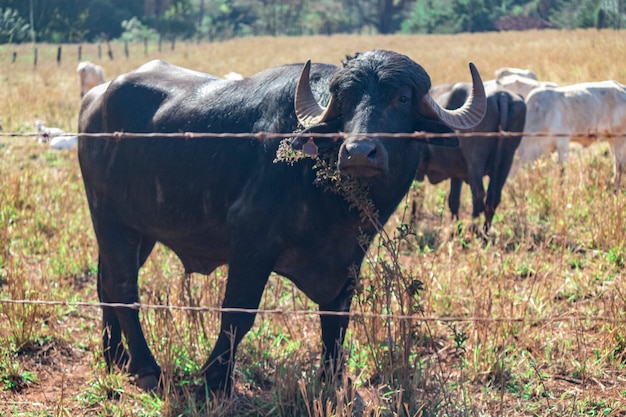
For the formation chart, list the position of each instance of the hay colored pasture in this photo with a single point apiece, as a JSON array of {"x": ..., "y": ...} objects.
[{"x": 529, "y": 322}]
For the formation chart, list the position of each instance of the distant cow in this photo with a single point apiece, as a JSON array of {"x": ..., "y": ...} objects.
[
  {"x": 523, "y": 85},
  {"x": 226, "y": 200},
  {"x": 506, "y": 71},
  {"x": 583, "y": 113},
  {"x": 56, "y": 137},
  {"x": 233, "y": 76},
  {"x": 519, "y": 84},
  {"x": 90, "y": 76},
  {"x": 479, "y": 156}
]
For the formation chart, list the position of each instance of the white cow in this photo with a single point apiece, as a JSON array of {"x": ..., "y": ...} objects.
[
  {"x": 517, "y": 84},
  {"x": 233, "y": 76},
  {"x": 584, "y": 113},
  {"x": 56, "y": 137},
  {"x": 505, "y": 71},
  {"x": 522, "y": 85},
  {"x": 90, "y": 76},
  {"x": 64, "y": 142},
  {"x": 45, "y": 133}
]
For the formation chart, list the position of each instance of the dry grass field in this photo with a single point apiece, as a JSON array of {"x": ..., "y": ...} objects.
[{"x": 529, "y": 322}]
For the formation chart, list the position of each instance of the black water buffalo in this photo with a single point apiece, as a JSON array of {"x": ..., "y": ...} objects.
[
  {"x": 222, "y": 201},
  {"x": 480, "y": 156}
]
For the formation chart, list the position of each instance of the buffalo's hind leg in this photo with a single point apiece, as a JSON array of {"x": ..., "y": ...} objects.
[
  {"x": 496, "y": 184},
  {"x": 454, "y": 198},
  {"x": 454, "y": 203},
  {"x": 114, "y": 352},
  {"x": 475, "y": 180},
  {"x": 121, "y": 255}
]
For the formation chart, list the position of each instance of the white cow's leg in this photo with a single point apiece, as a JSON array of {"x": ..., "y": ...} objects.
[
  {"x": 618, "y": 147},
  {"x": 562, "y": 148},
  {"x": 530, "y": 149}
]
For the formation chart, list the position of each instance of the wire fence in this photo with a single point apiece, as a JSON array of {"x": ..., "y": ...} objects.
[
  {"x": 352, "y": 314},
  {"x": 335, "y": 136},
  {"x": 119, "y": 135},
  {"x": 112, "y": 50}
]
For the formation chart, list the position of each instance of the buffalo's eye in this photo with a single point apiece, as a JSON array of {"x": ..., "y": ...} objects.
[{"x": 403, "y": 99}]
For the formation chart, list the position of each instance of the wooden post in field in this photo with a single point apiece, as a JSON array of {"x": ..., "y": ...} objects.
[
  {"x": 99, "y": 52},
  {"x": 160, "y": 42},
  {"x": 109, "y": 51},
  {"x": 35, "y": 57},
  {"x": 59, "y": 56},
  {"x": 80, "y": 53},
  {"x": 145, "y": 46},
  {"x": 14, "y": 57},
  {"x": 173, "y": 43},
  {"x": 126, "y": 49}
]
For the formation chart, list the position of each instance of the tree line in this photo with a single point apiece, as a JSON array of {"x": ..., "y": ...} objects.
[{"x": 62, "y": 21}]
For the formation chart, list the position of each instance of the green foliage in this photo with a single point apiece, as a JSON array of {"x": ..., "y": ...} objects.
[
  {"x": 475, "y": 15},
  {"x": 224, "y": 19},
  {"x": 178, "y": 21},
  {"x": 326, "y": 17},
  {"x": 611, "y": 14},
  {"x": 214, "y": 20},
  {"x": 135, "y": 31},
  {"x": 430, "y": 16},
  {"x": 586, "y": 15},
  {"x": 103, "y": 20},
  {"x": 13, "y": 28},
  {"x": 453, "y": 16}
]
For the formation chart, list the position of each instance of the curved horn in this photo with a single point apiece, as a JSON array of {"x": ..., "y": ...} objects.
[
  {"x": 463, "y": 118},
  {"x": 308, "y": 110}
]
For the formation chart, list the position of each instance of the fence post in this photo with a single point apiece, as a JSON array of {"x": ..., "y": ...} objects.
[
  {"x": 59, "y": 56},
  {"x": 14, "y": 57},
  {"x": 80, "y": 53},
  {"x": 173, "y": 43},
  {"x": 126, "y": 49},
  {"x": 160, "y": 42},
  {"x": 35, "y": 57},
  {"x": 109, "y": 51},
  {"x": 99, "y": 52}
]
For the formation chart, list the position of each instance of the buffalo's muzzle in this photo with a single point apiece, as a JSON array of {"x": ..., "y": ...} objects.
[{"x": 363, "y": 158}]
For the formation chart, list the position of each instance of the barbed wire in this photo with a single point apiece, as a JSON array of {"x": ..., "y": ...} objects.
[
  {"x": 118, "y": 135},
  {"x": 351, "y": 314}
]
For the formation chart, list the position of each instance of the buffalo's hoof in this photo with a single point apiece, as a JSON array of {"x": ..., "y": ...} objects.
[
  {"x": 358, "y": 405},
  {"x": 219, "y": 391},
  {"x": 148, "y": 383}
]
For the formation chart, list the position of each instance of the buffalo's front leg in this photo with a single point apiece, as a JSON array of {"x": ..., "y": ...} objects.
[
  {"x": 246, "y": 281},
  {"x": 334, "y": 328}
]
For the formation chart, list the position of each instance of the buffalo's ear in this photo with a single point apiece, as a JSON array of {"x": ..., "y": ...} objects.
[
  {"x": 433, "y": 126},
  {"x": 331, "y": 126}
]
